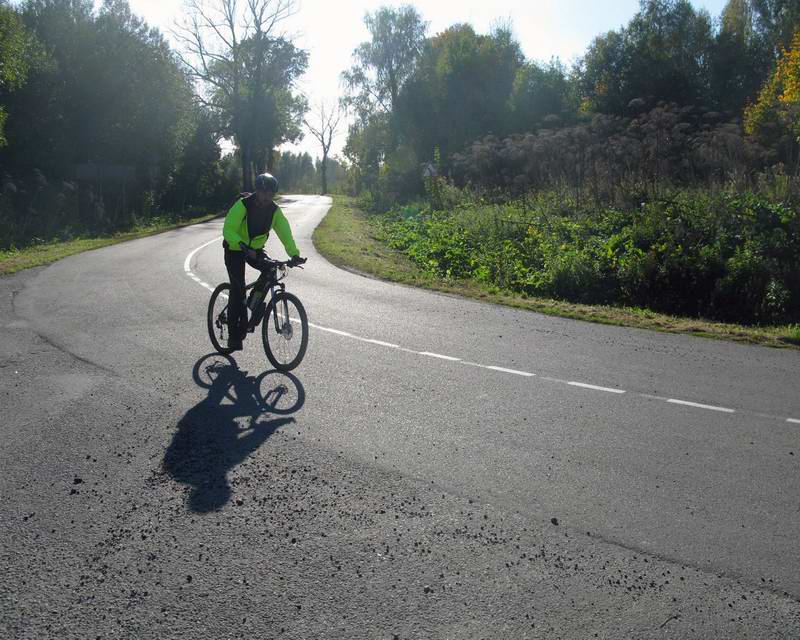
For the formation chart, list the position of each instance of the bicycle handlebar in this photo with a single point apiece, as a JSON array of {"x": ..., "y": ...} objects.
[
  {"x": 263, "y": 261},
  {"x": 269, "y": 262}
]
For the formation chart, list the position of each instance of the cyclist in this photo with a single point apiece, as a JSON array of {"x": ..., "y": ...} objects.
[{"x": 245, "y": 232}]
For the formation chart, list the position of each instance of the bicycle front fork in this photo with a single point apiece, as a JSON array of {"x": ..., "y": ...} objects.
[
  {"x": 281, "y": 314},
  {"x": 257, "y": 313}
]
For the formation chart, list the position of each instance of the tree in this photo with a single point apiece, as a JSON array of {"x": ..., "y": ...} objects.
[
  {"x": 17, "y": 49},
  {"x": 777, "y": 21},
  {"x": 775, "y": 116},
  {"x": 247, "y": 71},
  {"x": 460, "y": 90},
  {"x": 382, "y": 66},
  {"x": 197, "y": 178},
  {"x": 90, "y": 54},
  {"x": 56, "y": 120},
  {"x": 368, "y": 144},
  {"x": 385, "y": 62},
  {"x": 737, "y": 19},
  {"x": 296, "y": 171},
  {"x": 275, "y": 114},
  {"x": 540, "y": 91},
  {"x": 661, "y": 55},
  {"x": 323, "y": 128},
  {"x": 740, "y": 57},
  {"x": 105, "y": 129}
]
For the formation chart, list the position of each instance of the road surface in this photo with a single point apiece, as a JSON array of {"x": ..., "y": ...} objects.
[{"x": 435, "y": 468}]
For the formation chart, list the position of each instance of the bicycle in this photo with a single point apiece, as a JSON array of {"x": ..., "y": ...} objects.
[{"x": 285, "y": 349}]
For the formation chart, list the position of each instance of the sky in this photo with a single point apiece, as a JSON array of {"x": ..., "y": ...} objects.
[{"x": 330, "y": 31}]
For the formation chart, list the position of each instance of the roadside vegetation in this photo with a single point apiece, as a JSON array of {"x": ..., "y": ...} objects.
[
  {"x": 724, "y": 257},
  {"x": 35, "y": 255},
  {"x": 367, "y": 243},
  {"x": 654, "y": 183}
]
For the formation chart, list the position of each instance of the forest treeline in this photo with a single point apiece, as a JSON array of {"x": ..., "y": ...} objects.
[
  {"x": 104, "y": 125},
  {"x": 661, "y": 169}
]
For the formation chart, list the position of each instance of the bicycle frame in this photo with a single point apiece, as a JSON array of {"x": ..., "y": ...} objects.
[{"x": 271, "y": 279}]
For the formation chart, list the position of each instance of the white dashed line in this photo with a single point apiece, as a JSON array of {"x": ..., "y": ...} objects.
[
  {"x": 416, "y": 353},
  {"x": 652, "y": 397},
  {"x": 187, "y": 268},
  {"x": 556, "y": 380},
  {"x": 595, "y": 387},
  {"x": 438, "y": 355},
  {"x": 697, "y": 405},
  {"x": 329, "y": 330},
  {"x": 514, "y": 371},
  {"x": 380, "y": 343}
]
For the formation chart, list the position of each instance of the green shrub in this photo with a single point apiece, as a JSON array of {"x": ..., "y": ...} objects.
[{"x": 725, "y": 256}]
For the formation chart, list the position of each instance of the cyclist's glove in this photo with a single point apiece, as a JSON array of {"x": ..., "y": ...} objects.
[
  {"x": 296, "y": 261},
  {"x": 255, "y": 257}
]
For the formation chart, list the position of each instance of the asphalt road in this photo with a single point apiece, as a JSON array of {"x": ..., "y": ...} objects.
[{"x": 436, "y": 467}]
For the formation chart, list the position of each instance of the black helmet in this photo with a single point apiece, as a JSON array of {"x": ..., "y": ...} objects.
[{"x": 267, "y": 182}]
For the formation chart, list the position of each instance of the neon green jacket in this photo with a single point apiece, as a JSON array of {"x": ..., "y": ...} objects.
[{"x": 235, "y": 230}]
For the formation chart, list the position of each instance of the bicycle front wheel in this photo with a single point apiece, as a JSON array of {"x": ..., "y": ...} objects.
[
  {"x": 218, "y": 318},
  {"x": 284, "y": 331}
]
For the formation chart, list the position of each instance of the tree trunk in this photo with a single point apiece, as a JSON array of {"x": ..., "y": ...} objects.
[
  {"x": 260, "y": 162},
  {"x": 247, "y": 168},
  {"x": 324, "y": 169},
  {"x": 394, "y": 141}
]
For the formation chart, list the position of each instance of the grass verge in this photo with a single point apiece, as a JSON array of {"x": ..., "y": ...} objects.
[
  {"x": 348, "y": 238},
  {"x": 13, "y": 260}
]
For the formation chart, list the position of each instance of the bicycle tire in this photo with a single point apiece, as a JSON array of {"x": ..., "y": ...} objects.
[
  {"x": 268, "y": 329},
  {"x": 213, "y": 315}
]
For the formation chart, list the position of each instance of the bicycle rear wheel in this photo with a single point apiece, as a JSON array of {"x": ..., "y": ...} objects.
[
  {"x": 218, "y": 318},
  {"x": 284, "y": 331}
]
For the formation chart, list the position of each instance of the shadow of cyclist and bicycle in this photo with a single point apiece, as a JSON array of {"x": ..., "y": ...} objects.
[{"x": 228, "y": 425}]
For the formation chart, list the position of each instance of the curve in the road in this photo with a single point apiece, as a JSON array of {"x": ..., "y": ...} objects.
[
  {"x": 572, "y": 383},
  {"x": 677, "y": 483}
]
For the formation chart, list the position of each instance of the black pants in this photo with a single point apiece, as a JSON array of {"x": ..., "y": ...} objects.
[{"x": 237, "y": 313}]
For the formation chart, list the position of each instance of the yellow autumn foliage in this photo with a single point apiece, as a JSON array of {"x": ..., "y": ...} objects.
[{"x": 779, "y": 98}]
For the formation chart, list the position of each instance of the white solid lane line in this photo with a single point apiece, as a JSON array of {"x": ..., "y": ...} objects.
[
  {"x": 793, "y": 420},
  {"x": 595, "y": 387},
  {"x": 697, "y": 405},
  {"x": 187, "y": 265}
]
